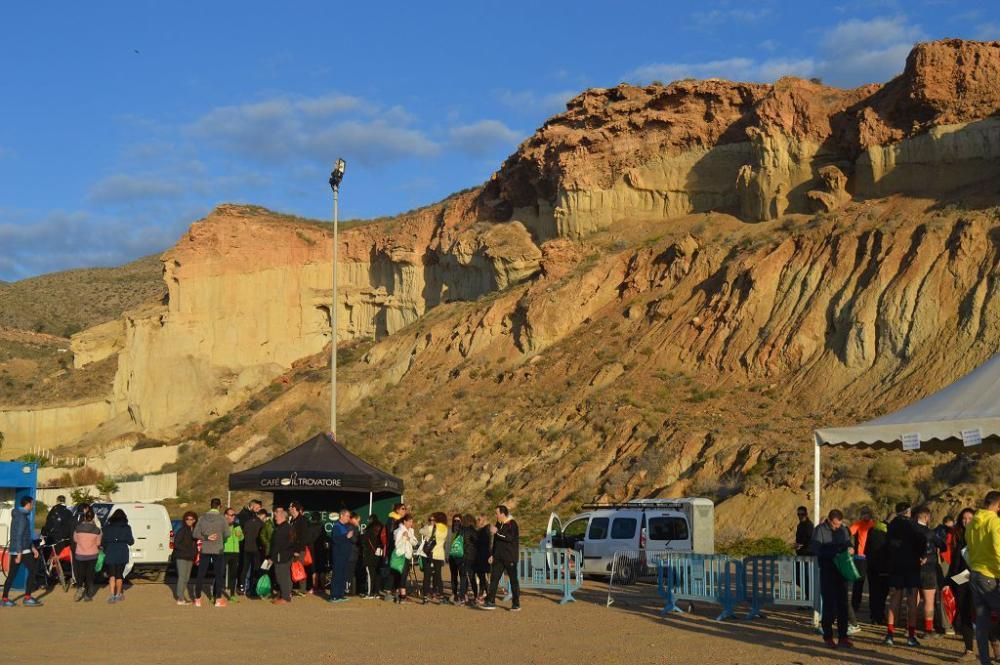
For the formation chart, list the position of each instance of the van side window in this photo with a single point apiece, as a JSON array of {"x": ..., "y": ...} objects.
[
  {"x": 668, "y": 528},
  {"x": 598, "y": 528},
  {"x": 623, "y": 528}
]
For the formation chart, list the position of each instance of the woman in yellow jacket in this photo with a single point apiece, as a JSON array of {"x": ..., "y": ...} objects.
[{"x": 432, "y": 549}]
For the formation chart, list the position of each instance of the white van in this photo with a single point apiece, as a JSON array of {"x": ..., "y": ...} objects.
[
  {"x": 152, "y": 531},
  {"x": 644, "y": 525}
]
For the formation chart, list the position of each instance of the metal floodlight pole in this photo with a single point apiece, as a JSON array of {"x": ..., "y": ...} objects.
[{"x": 336, "y": 175}]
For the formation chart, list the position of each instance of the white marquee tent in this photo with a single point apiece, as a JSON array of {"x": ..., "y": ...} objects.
[{"x": 967, "y": 411}]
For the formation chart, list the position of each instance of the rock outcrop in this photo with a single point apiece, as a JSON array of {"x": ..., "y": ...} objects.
[{"x": 756, "y": 150}]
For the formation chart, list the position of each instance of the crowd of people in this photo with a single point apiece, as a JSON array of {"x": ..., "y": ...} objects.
[
  {"x": 943, "y": 579},
  {"x": 287, "y": 552}
]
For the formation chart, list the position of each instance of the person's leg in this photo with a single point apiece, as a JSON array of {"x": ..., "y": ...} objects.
[
  {"x": 203, "y": 563},
  {"x": 828, "y": 595},
  {"x": 515, "y": 584},
  {"x": 15, "y": 567},
  {"x": 981, "y": 587},
  {"x": 859, "y": 587},
  {"x": 425, "y": 587},
  {"x": 232, "y": 571},
  {"x": 283, "y": 573},
  {"x": 928, "y": 600},
  {"x": 878, "y": 589},
  {"x": 496, "y": 572},
  {"x": 895, "y": 601},
  {"x": 913, "y": 598},
  {"x": 439, "y": 578},
  {"x": 843, "y": 606},
  {"x": 183, "y": 577},
  {"x": 455, "y": 580}
]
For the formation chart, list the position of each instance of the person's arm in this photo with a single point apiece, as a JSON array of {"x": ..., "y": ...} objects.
[{"x": 129, "y": 540}]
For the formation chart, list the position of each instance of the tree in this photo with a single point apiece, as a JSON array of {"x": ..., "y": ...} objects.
[
  {"x": 82, "y": 495},
  {"x": 107, "y": 487}
]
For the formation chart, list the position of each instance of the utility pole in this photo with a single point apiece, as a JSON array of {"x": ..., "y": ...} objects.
[{"x": 336, "y": 175}]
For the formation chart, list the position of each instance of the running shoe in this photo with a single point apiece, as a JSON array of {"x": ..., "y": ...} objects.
[
  {"x": 515, "y": 608},
  {"x": 845, "y": 643},
  {"x": 912, "y": 642},
  {"x": 31, "y": 602},
  {"x": 853, "y": 629},
  {"x": 7, "y": 602},
  {"x": 221, "y": 602},
  {"x": 888, "y": 641},
  {"x": 197, "y": 602},
  {"x": 828, "y": 641},
  {"x": 488, "y": 606}
]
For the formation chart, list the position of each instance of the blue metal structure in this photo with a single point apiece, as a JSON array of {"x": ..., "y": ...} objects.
[{"x": 17, "y": 480}]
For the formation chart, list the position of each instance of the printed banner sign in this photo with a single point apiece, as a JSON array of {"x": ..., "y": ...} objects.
[
  {"x": 911, "y": 441},
  {"x": 972, "y": 437}
]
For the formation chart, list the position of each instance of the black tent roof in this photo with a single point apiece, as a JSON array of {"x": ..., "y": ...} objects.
[{"x": 319, "y": 464}]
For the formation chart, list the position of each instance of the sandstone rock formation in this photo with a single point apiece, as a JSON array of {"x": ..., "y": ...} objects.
[
  {"x": 833, "y": 192},
  {"x": 663, "y": 151}
]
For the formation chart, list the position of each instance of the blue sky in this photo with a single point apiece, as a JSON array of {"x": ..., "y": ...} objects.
[{"x": 123, "y": 122}]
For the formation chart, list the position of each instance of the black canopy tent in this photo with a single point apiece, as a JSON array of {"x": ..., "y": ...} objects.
[{"x": 322, "y": 475}]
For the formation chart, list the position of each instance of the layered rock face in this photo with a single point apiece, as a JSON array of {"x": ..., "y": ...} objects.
[
  {"x": 250, "y": 293},
  {"x": 755, "y": 150}
]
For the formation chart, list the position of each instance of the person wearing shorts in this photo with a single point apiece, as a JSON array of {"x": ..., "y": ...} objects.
[
  {"x": 928, "y": 566},
  {"x": 906, "y": 548}
]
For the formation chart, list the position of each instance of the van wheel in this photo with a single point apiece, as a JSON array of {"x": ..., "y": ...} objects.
[{"x": 629, "y": 574}]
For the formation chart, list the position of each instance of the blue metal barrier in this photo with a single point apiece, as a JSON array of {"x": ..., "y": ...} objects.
[
  {"x": 780, "y": 580},
  {"x": 700, "y": 577},
  {"x": 552, "y": 569}
]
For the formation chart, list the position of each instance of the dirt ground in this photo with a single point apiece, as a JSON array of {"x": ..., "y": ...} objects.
[{"x": 148, "y": 628}]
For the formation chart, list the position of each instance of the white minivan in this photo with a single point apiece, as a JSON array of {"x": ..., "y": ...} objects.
[
  {"x": 152, "y": 531},
  {"x": 641, "y": 525}
]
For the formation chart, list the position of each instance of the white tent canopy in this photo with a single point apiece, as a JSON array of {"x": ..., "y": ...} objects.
[{"x": 967, "y": 410}]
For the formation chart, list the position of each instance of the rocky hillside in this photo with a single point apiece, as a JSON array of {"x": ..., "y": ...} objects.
[{"x": 662, "y": 292}]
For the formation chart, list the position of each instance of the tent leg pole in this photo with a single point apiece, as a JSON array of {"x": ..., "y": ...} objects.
[
  {"x": 229, "y": 499},
  {"x": 816, "y": 480},
  {"x": 371, "y": 497}
]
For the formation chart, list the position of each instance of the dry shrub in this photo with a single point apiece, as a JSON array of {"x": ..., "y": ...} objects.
[{"x": 87, "y": 476}]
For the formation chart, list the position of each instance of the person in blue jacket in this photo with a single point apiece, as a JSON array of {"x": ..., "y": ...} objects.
[
  {"x": 115, "y": 540},
  {"x": 23, "y": 554},
  {"x": 341, "y": 548},
  {"x": 830, "y": 539}
]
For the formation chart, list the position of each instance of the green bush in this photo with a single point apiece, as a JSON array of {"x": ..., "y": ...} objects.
[{"x": 769, "y": 546}]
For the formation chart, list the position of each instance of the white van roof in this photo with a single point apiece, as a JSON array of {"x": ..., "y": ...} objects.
[{"x": 650, "y": 504}]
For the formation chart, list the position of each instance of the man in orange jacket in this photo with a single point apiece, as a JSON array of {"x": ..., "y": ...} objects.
[{"x": 859, "y": 533}]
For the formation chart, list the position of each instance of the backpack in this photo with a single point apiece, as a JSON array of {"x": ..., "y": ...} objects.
[{"x": 457, "y": 547}]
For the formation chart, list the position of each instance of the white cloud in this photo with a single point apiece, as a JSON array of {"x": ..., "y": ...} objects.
[
  {"x": 483, "y": 138},
  {"x": 529, "y": 101},
  {"x": 124, "y": 188},
  {"x": 734, "y": 69},
  {"x": 720, "y": 16},
  {"x": 987, "y": 31},
  {"x": 851, "y": 53},
  {"x": 858, "y": 52},
  {"x": 63, "y": 240},
  {"x": 284, "y": 129}
]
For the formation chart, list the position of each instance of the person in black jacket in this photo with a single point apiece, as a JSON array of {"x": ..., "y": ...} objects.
[
  {"x": 877, "y": 554},
  {"x": 803, "y": 538},
  {"x": 928, "y": 569},
  {"x": 371, "y": 556},
  {"x": 482, "y": 564},
  {"x": 965, "y": 611},
  {"x": 59, "y": 524},
  {"x": 247, "y": 517},
  {"x": 830, "y": 539},
  {"x": 283, "y": 550},
  {"x": 469, "y": 544},
  {"x": 504, "y": 558},
  {"x": 300, "y": 531},
  {"x": 185, "y": 551},
  {"x": 251, "y": 553},
  {"x": 906, "y": 550}
]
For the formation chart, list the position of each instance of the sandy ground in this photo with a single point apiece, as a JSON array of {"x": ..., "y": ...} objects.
[{"x": 148, "y": 628}]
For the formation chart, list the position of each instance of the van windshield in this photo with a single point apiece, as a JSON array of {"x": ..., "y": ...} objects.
[{"x": 668, "y": 528}]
